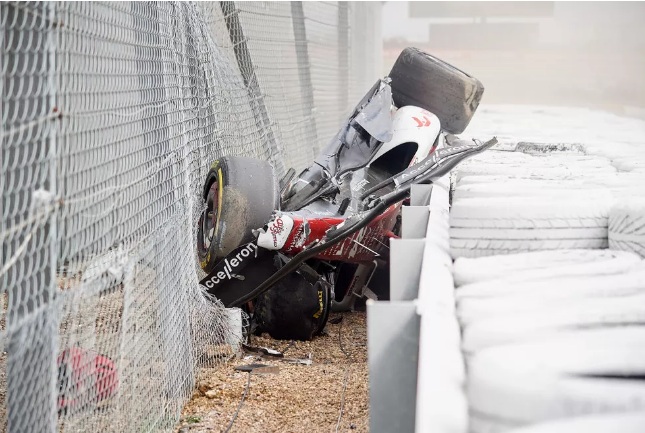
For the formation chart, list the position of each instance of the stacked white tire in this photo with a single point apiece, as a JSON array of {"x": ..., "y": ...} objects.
[
  {"x": 509, "y": 202},
  {"x": 624, "y": 422},
  {"x": 551, "y": 335},
  {"x": 503, "y": 225},
  {"x": 553, "y": 322}
]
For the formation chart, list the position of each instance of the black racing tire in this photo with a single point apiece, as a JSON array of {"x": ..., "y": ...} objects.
[
  {"x": 425, "y": 81},
  {"x": 293, "y": 309},
  {"x": 240, "y": 194}
]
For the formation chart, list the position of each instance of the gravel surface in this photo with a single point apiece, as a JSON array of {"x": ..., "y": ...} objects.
[{"x": 296, "y": 398}]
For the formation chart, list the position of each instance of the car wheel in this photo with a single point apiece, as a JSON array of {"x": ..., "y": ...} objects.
[
  {"x": 293, "y": 309},
  {"x": 240, "y": 194},
  {"x": 425, "y": 81}
]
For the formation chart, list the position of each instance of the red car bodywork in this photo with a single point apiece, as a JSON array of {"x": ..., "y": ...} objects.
[{"x": 361, "y": 247}]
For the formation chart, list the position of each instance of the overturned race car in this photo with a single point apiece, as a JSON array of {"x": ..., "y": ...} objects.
[{"x": 288, "y": 252}]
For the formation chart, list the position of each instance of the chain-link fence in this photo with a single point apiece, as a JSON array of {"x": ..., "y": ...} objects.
[{"x": 111, "y": 116}]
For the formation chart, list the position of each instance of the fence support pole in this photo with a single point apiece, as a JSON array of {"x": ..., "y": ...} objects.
[
  {"x": 304, "y": 70},
  {"x": 31, "y": 330},
  {"x": 343, "y": 59},
  {"x": 245, "y": 64}
]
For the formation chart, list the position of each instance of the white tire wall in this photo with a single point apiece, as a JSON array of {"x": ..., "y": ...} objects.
[
  {"x": 553, "y": 339},
  {"x": 614, "y": 351},
  {"x": 612, "y": 181},
  {"x": 622, "y": 283},
  {"x": 519, "y": 399},
  {"x": 551, "y": 335},
  {"x": 476, "y": 310},
  {"x": 532, "y": 324},
  {"x": 533, "y": 168},
  {"x": 511, "y": 190},
  {"x": 542, "y": 264},
  {"x": 503, "y": 225},
  {"x": 626, "y": 227},
  {"x": 629, "y": 164},
  {"x": 630, "y": 422}
]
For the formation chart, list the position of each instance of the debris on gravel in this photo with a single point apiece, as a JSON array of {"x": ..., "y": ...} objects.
[{"x": 318, "y": 386}]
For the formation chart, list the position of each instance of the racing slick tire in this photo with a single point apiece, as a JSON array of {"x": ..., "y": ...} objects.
[
  {"x": 240, "y": 194},
  {"x": 293, "y": 309},
  {"x": 425, "y": 81}
]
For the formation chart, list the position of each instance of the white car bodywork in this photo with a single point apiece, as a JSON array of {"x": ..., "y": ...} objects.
[{"x": 412, "y": 124}]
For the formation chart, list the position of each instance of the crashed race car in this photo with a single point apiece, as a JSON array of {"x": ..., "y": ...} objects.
[{"x": 290, "y": 251}]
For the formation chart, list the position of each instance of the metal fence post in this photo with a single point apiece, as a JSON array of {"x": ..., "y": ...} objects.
[
  {"x": 343, "y": 59},
  {"x": 30, "y": 281},
  {"x": 245, "y": 64},
  {"x": 304, "y": 69},
  {"x": 171, "y": 315}
]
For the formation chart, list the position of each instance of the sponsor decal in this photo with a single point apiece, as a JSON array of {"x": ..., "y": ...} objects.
[
  {"x": 225, "y": 270},
  {"x": 416, "y": 171},
  {"x": 422, "y": 123},
  {"x": 320, "y": 303},
  {"x": 276, "y": 234},
  {"x": 435, "y": 159},
  {"x": 452, "y": 150},
  {"x": 276, "y": 229},
  {"x": 300, "y": 237}
]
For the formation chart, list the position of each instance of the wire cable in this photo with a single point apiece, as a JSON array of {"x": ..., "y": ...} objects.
[
  {"x": 346, "y": 376},
  {"x": 239, "y": 406}
]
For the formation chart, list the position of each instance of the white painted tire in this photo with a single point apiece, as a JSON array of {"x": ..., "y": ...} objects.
[
  {"x": 527, "y": 234},
  {"x": 534, "y": 189},
  {"x": 623, "y": 422},
  {"x": 519, "y": 399},
  {"x": 518, "y": 213},
  {"x": 481, "y": 423},
  {"x": 617, "y": 282},
  {"x": 515, "y": 159},
  {"x": 628, "y": 164},
  {"x": 533, "y": 171},
  {"x": 608, "y": 352},
  {"x": 541, "y": 264},
  {"x": 524, "y": 326},
  {"x": 470, "y": 179},
  {"x": 512, "y": 224},
  {"x": 481, "y": 301},
  {"x": 551, "y": 174},
  {"x": 509, "y": 182},
  {"x": 626, "y": 229},
  {"x": 474, "y": 310},
  {"x": 610, "y": 180},
  {"x": 629, "y": 422},
  {"x": 488, "y": 247}
]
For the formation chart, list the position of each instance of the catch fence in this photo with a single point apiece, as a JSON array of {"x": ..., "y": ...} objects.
[{"x": 111, "y": 115}]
